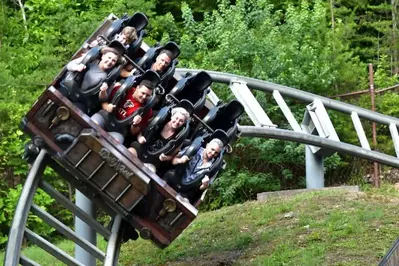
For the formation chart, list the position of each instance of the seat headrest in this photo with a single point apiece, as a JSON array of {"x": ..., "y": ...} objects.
[
  {"x": 150, "y": 76},
  {"x": 92, "y": 55},
  {"x": 186, "y": 105},
  {"x": 200, "y": 82},
  {"x": 115, "y": 27},
  {"x": 234, "y": 109},
  {"x": 139, "y": 21},
  {"x": 219, "y": 134},
  {"x": 118, "y": 46},
  {"x": 194, "y": 146},
  {"x": 173, "y": 48}
]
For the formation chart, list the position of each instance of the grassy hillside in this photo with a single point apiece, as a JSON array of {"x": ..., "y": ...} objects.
[{"x": 318, "y": 228}]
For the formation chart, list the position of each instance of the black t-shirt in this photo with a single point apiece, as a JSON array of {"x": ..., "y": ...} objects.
[{"x": 158, "y": 143}]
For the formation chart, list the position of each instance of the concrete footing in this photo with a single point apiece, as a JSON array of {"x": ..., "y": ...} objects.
[{"x": 285, "y": 193}]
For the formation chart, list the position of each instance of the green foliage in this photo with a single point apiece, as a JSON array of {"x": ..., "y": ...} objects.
[
  {"x": 382, "y": 76},
  {"x": 249, "y": 38},
  {"x": 371, "y": 25},
  {"x": 11, "y": 137},
  {"x": 8, "y": 203},
  {"x": 233, "y": 187}
]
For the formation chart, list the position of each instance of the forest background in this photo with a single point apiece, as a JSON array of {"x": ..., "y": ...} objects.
[{"x": 323, "y": 47}]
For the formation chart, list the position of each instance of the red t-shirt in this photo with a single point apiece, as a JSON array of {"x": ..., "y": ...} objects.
[{"x": 129, "y": 105}]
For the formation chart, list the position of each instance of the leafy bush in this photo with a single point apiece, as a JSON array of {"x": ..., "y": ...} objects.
[
  {"x": 8, "y": 204},
  {"x": 11, "y": 137},
  {"x": 233, "y": 187}
]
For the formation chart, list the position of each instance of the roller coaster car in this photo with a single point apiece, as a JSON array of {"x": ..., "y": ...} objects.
[
  {"x": 139, "y": 21},
  {"x": 225, "y": 117},
  {"x": 191, "y": 189},
  {"x": 71, "y": 85},
  {"x": 104, "y": 171},
  {"x": 154, "y": 129},
  {"x": 150, "y": 56},
  {"x": 115, "y": 124},
  {"x": 192, "y": 88}
]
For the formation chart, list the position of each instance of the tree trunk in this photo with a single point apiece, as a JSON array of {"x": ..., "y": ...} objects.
[
  {"x": 333, "y": 35},
  {"x": 394, "y": 40},
  {"x": 332, "y": 15},
  {"x": 25, "y": 23}
]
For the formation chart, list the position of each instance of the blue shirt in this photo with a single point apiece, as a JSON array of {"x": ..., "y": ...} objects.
[{"x": 195, "y": 166}]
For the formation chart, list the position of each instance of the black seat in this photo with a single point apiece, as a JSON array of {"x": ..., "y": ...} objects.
[
  {"x": 155, "y": 127},
  {"x": 72, "y": 80},
  {"x": 71, "y": 84},
  {"x": 131, "y": 81},
  {"x": 192, "y": 88},
  {"x": 225, "y": 117},
  {"x": 139, "y": 21}
]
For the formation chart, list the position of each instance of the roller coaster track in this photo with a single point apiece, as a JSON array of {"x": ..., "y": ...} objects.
[
  {"x": 300, "y": 135},
  {"x": 264, "y": 129}
]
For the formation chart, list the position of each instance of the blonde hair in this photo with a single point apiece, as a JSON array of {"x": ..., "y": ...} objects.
[
  {"x": 218, "y": 142},
  {"x": 181, "y": 110},
  {"x": 130, "y": 33}
]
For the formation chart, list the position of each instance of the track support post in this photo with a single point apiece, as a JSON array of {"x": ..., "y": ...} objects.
[
  {"x": 85, "y": 231},
  {"x": 314, "y": 169}
]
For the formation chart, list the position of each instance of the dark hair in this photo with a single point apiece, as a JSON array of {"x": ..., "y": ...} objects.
[
  {"x": 148, "y": 84},
  {"x": 107, "y": 49}
]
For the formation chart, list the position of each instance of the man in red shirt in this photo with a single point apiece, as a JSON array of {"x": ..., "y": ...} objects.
[{"x": 133, "y": 99}]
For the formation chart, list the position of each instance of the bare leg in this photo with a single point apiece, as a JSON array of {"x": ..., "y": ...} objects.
[
  {"x": 134, "y": 130},
  {"x": 118, "y": 136},
  {"x": 151, "y": 167},
  {"x": 98, "y": 119},
  {"x": 133, "y": 151}
]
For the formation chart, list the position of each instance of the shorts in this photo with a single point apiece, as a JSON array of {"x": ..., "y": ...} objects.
[
  {"x": 138, "y": 147},
  {"x": 102, "y": 118}
]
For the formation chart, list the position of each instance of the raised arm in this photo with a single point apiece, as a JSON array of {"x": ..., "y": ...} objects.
[{"x": 76, "y": 65}]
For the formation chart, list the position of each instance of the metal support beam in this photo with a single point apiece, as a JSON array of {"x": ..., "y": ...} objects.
[
  {"x": 99, "y": 228},
  {"x": 27, "y": 262},
  {"x": 395, "y": 138},
  {"x": 314, "y": 169},
  {"x": 84, "y": 230},
  {"x": 213, "y": 97},
  {"x": 50, "y": 248},
  {"x": 286, "y": 111},
  {"x": 251, "y": 105},
  {"x": 114, "y": 243},
  {"x": 317, "y": 122},
  {"x": 67, "y": 232},
  {"x": 360, "y": 131}
]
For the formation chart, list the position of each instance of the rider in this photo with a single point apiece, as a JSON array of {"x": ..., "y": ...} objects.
[
  {"x": 127, "y": 36},
  {"x": 96, "y": 73},
  {"x": 198, "y": 164},
  {"x": 134, "y": 99},
  {"x": 168, "y": 132},
  {"x": 160, "y": 65}
]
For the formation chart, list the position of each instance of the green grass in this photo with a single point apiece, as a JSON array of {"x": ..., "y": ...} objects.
[{"x": 327, "y": 228}]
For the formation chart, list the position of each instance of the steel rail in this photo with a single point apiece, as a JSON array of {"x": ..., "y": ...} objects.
[
  {"x": 274, "y": 133},
  {"x": 17, "y": 229}
]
